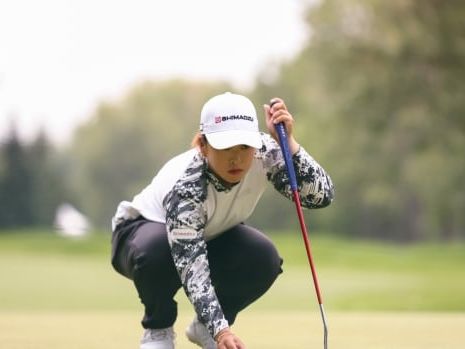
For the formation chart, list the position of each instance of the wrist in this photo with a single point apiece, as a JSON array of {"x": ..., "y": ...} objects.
[
  {"x": 293, "y": 145},
  {"x": 223, "y": 333}
]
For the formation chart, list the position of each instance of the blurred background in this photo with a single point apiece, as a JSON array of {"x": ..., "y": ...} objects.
[{"x": 96, "y": 95}]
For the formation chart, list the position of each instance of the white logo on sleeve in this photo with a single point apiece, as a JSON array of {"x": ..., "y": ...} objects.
[{"x": 184, "y": 234}]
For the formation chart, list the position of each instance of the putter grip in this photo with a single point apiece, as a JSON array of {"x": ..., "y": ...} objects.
[{"x": 284, "y": 144}]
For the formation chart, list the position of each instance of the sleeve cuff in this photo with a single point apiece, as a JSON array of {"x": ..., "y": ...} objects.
[{"x": 220, "y": 326}]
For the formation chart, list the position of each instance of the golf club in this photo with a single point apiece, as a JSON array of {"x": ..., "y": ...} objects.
[{"x": 283, "y": 142}]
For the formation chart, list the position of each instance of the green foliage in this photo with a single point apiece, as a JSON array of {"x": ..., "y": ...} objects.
[
  {"x": 15, "y": 184},
  {"x": 31, "y": 185},
  {"x": 379, "y": 83},
  {"x": 377, "y": 95}
]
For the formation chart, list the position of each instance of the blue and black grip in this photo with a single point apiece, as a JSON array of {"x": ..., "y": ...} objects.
[{"x": 284, "y": 144}]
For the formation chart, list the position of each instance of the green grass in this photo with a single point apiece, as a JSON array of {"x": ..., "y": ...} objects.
[
  {"x": 57, "y": 292},
  {"x": 359, "y": 276},
  {"x": 270, "y": 330}
]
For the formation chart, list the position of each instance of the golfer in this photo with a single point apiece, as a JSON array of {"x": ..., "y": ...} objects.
[{"x": 186, "y": 228}]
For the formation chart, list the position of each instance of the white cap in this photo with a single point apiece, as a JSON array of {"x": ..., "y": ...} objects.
[{"x": 228, "y": 120}]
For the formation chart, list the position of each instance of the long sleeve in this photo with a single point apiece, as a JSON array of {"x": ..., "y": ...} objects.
[
  {"x": 185, "y": 221},
  {"x": 315, "y": 187}
]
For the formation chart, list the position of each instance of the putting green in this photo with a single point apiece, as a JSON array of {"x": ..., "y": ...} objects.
[
  {"x": 57, "y": 293},
  {"x": 270, "y": 330}
]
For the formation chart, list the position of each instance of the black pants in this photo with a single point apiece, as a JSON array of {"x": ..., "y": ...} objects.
[{"x": 243, "y": 264}]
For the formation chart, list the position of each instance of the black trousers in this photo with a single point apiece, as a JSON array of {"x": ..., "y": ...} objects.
[{"x": 244, "y": 263}]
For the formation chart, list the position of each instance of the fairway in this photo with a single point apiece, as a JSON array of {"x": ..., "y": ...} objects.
[
  {"x": 58, "y": 293},
  {"x": 270, "y": 330}
]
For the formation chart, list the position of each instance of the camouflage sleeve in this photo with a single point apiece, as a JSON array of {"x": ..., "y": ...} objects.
[
  {"x": 185, "y": 222},
  {"x": 314, "y": 184}
]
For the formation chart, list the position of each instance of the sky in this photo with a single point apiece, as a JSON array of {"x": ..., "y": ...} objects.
[{"x": 60, "y": 58}]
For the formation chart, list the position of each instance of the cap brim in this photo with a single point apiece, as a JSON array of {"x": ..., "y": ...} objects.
[{"x": 228, "y": 139}]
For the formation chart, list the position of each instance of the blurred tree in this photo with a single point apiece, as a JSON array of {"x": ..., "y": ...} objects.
[
  {"x": 48, "y": 189},
  {"x": 15, "y": 184},
  {"x": 377, "y": 94},
  {"x": 382, "y": 85},
  {"x": 31, "y": 185}
]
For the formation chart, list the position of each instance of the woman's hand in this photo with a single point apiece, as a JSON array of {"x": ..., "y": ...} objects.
[
  {"x": 225, "y": 339},
  {"x": 278, "y": 113}
]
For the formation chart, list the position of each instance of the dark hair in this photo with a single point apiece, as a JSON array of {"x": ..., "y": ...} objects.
[{"x": 198, "y": 140}]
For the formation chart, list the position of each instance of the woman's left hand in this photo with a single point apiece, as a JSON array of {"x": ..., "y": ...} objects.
[
  {"x": 228, "y": 340},
  {"x": 278, "y": 113}
]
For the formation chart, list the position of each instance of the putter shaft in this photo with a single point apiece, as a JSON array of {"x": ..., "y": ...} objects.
[{"x": 281, "y": 131}]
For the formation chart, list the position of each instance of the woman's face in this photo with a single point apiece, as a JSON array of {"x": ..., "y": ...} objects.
[{"x": 230, "y": 164}]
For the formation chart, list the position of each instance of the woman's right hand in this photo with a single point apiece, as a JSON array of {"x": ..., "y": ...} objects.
[{"x": 225, "y": 339}]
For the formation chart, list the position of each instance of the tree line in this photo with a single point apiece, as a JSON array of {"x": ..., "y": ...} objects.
[
  {"x": 377, "y": 94},
  {"x": 32, "y": 184}
]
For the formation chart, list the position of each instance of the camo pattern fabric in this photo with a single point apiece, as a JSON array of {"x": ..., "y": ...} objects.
[
  {"x": 314, "y": 186},
  {"x": 186, "y": 218},
  {"x": 185, "y": 221}
]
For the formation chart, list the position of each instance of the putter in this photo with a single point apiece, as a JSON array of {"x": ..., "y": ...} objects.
[{"x": 281, "y": 130}]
